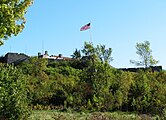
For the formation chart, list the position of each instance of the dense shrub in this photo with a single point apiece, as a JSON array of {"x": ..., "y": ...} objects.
[
  {"x": 89, "y": 83},
  {"x": 13, "y": 97},
  {"x": 96, "y": 87}
]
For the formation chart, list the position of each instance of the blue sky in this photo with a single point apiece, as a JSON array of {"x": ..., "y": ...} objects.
[{"x": 118, "y": 24}]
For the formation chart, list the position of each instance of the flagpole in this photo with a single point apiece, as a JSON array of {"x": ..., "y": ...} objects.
[
  {"x": 90, "y": 32},
  {"x": 42, "y": 46},
  {"x": 85, "y": 27}
]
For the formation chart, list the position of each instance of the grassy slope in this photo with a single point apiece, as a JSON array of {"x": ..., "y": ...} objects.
[{"x": 54, "y": 115}]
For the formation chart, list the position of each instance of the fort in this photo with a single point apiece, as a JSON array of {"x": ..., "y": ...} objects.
[
  {"x": 16, "y": 58},
  {"x": 152, "y": 68}
]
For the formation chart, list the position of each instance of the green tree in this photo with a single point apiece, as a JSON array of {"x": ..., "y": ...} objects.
[
  {"x": 141, "y": 91},
  {"x": 97, "y": 53},
  {"x": 96, "y": 77},
  {"x": 89, "y": 49},
  {"x": 104, "y": 54},
  {"x": 76, "y": 54},
  {"x": 12, "y": 18},
  {"x": 34, "y": 66},
  {"x": 101, "y": 80},
  {"x": 13, "y": 94},
  {"x": 145, "y": 53},
  {"x": 89, "y": 55},
  {"x": 37, "y": 79}
]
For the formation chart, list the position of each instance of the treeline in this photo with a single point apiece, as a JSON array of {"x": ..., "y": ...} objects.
[
  {"x": 88, "y": 82},
  {"x": 94, "y": 87}
]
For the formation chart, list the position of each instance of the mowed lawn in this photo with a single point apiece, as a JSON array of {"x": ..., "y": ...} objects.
[{"x": 55, "y": 115}]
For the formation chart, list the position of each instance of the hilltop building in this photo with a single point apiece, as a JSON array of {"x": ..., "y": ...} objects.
[
  {"x": 14, "y": 58},
  {"x": 53, "y": 58}
]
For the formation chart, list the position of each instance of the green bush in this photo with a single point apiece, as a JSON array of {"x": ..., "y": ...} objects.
[
  {"x": 90, "y": 84},
  {"x": 13, "y": 97}
]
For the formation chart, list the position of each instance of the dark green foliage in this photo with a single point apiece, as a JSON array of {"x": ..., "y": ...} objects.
[
  {"x": 89, "y": 83},
  {"x": 37, "y": 79},
  {"x": 58, "y": 98},
  {"x": 147, "y": 93},
  {"x": 13, "y": 97},
  {"x": 76, "y": 54}
]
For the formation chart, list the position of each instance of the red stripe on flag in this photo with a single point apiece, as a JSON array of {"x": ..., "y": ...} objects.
[{"x": 85, "y": 27}]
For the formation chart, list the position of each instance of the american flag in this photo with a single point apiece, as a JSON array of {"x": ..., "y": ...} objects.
[{"x": 85, "y": 27}]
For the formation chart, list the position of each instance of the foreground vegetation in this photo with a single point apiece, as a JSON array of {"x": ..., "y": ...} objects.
[
  {"x": 13, "y": 97},
  {"x": 85, "y": 83},
  {"x": 55, "y": 115},
  {"x": 88, "y": 82}
]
